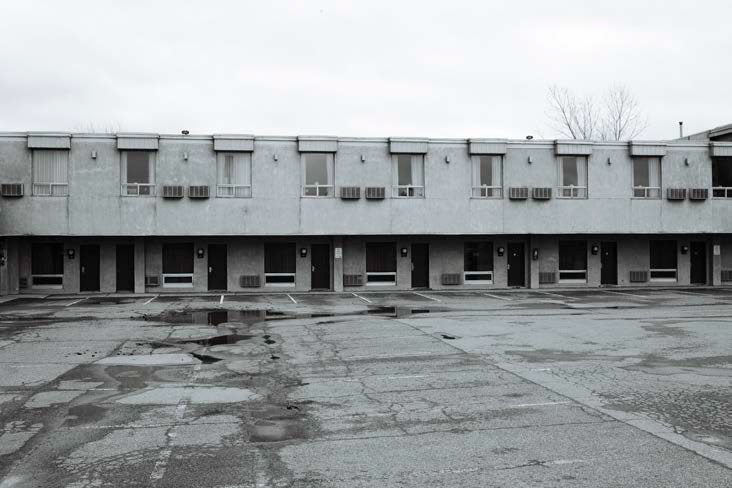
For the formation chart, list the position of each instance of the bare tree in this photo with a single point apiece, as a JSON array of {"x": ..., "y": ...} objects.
[{"x": 617, "y": 117}]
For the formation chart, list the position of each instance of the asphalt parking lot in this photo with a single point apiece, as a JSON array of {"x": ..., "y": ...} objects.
[{"x": 575, "y": 388}]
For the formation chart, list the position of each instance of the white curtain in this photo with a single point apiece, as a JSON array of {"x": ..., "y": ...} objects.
[
  {"x": 496, "y": 171},
  {"x": 50, "y": 166},
  {"x": 330, "y": 169},
  {"x": 234, "y": 169},
  {"x": 581, "y": 171},
  {"x": 417, "y": 170},
  {"x": 476, "y": 179},
  {"x": 654, "y": 172}
]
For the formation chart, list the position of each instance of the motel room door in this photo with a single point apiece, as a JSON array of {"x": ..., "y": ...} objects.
[
  {"x": 217, "y": 267},
  {"x": 698, "y": 271},
  {"x": 609, "y": 263},
  {"x": 420, "y": 266},
  {"x": 516, "y": 264},
  {"x": 125, "y": 267},
  {"x": 89, "y": 268},
  {"x": 320, "y": 267}
]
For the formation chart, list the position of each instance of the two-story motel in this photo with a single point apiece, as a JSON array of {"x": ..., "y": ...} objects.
[{"x": 155, "y": 213}]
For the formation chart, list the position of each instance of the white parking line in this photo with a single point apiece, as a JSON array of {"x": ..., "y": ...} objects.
[
  {"x": 222, "y": 300},
  {"x": 544, "y": 404},
  {"x": 428, "y": 297},
  {"x": 498, "y": 297},
  {"x": 564, "y": 297},
  {"x": 153, "y": 298},
  {"x": 290, "y": 297},
  {"x": 626, "y": 294},
  {"x": 76, "y": 301},
  {"x": 362, "y": 298}
]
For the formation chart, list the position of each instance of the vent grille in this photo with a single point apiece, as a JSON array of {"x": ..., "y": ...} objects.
[
  {"x": 547, "y": 277},
  {"x": 249, "y": 281},
  {"x": 375, "y": 192},
  {"x": 23, "y": 282},
  {"x": 676, "y": 193},
  {"x": 172, "y": 191},
  {"x": 450, "y": 278},
  {"x": 698, "y": 193},
  {"x": 541, "y": 193},
  {"x": 518, "y": 193},
  {"x": 352, "y": 280},
  {"x": 638, "y": 276},
  {"x": 11, "y": 189},
  {"x": 350, "y": 192},
  {"x": 727, "y": 275},
  {"x": 152, "y": 280},
  {"x": 200, "y": 191}
]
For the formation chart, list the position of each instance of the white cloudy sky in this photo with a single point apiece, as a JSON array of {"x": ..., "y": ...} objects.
[{"x": 446, "y": 68}]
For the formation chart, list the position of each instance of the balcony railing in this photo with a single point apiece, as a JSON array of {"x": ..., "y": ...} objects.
[
  {"x": 647, "y": 192},
  {"x": 572, "y": 191},
  {"x": 50, "y": 189},
  {"x": 722, "y": 192},
  {"x": 487, "y": 191},
  {"x": 138, "y": 189},
  {"x": 233, "y": 191},
  {"x": 317, "y": 190},
  {"x": 408, "y": 191}
]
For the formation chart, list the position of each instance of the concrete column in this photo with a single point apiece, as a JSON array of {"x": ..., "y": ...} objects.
[
  {"x": 533, "y": 266},
  {"x": 716, "y": 262},
  {"x": 404, "y": 265},
  {"x": 683, "y": 266},
  {"x": 9, "y": 272},
  {"x": 500, "y": 271},
  {"x": 107, "y": 267},
  {"x": 303, "y": 272},
  {"x": 139, "y": 265},
  {"x": 200, "y": 266},
  {"x": 72, "y": 271},
  {"x": 338, "y": 263}
]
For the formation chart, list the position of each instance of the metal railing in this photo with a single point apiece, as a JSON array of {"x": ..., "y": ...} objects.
[
  {"x": 233, "y": 191},
  {"x": 381, "y": 278},
  {"x": 647, "y": 192},
  {"x": 408, "y": 191},
  {"x": 572, "y": 191},
  {"x": 138, "y": 189},
  {"x": 317, "y": 190},
  {"x": 478, "y": 277},
  {"x": 486, "y": 191},
  {"x": 50, "y": 189},
  {"x": 722, "y": 192}
]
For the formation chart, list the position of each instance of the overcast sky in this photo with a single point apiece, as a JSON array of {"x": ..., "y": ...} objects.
[{"x": 371, "y": 68}]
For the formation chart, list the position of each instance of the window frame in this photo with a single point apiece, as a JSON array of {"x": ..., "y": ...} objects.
[
  {"x": 330, "y": 165},
  {"x": 126, "y": 186},
  {"x": 177, "y": 279},
  {"x": 411, "y": 190},
  {"x": 575, "y": 275},
  {"x": 272, "y": 277},
  {"x": 484, "y": 192},
  {"x": 647, "y": 190},
  {"x": 720, "y": 192},
  {"x": 373, "y": 277},
  {"x": 62, "y": 187},
  {"x": 573, "y": 192},
  {"x": 660, "y": 272},
  {"x": 486, "y": 274},
  {"x": 245, "y": 191},
  {"x": 55, "y": 276}
]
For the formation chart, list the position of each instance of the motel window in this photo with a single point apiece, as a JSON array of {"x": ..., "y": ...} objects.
[
  {"x": 478, "y": 263},
  {"x": 381, "y": 263},
  {"x": 573, "y": 177},
  {"x": 487, "y": 177},
  {"x": 47, "y": 265},
  {"x": 178, "y": 265},
  {"x": 138, "y": 173},
  {"x": 408, "y": 176},
  {"x": 50, "y": 173},
  {"x": 663, "y": 260},
  {"x": 317, "y": 174},
  {"x": 572, "y": 261},
  {"x": 722, "y": 177},
  {"x": 279, "y": 264},
  {"x": 234, "y": 175},
  {"x": 647, "y": 177}
]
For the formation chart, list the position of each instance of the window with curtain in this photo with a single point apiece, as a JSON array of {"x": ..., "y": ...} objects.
[
  {"x": 573, "y": 177},
  {"x": 647, "y": 177},
  {"x": 572, "y": 261},
  {"x": 178, "y": 265},
  {"x": 317, "y": 174},
  {"x": 50, "y": 172},
  {"x": 47, "y": 265},
  {"x": 408, "y": 176},
  {"x": 280, "y": 263},
  {"x": 234, "y": 175},
  {"x": 663, "y": 260},
  {"x": 722, "y": 177},
  {"x": 381, "y": 263},
  {"x": 138, "y": 173},
  {"x": 478, "y": 263},
  {"x": 487, "y": 182}
]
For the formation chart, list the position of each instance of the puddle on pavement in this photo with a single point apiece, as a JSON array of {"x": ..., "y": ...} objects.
[
  {"x": 205, "y": 358},
  {"x": 212, "y": 341}
]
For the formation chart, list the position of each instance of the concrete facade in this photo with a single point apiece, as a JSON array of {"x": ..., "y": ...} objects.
[{"x": 95, "y": 211}]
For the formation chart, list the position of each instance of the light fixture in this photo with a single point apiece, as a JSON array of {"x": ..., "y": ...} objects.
[
  {"x": 185, "y": 156},
  {"x": 200, "y": 253},
  {"x": 595, "y": 249},
  {"x": 530, "y": 160},
  {"x": 363, "y": 158},
  {"x": 500, "y": 250},
  {"x": 609, "y": 162},
  {"x": 94, "y": 155},
  {"x": 686, "y": 161},
  {"x": 274, "y": 156},
  {"x": 404, "y": 251},
  {"x": 185, "y": 132},
  {"x": 71, "y": 253},
  {"x": 447, "y": 159},
  {"x": 303, "y": 252},
  {"x": 535, "y": 254},
  {"x": 2, "y": 259},
  {"x": 684, "y": 249}
]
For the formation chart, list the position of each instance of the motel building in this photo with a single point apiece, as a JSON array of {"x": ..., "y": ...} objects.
[{"x": 156, "y": 213}]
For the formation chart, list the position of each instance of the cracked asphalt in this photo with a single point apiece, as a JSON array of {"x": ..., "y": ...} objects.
[{"x": 570, "y": 388}]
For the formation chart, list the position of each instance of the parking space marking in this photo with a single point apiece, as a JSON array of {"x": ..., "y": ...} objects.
[
  {"x": 427, "y": 297},
  {"x": 638, "y": 297},
  {"x": 362, "y": 298},
  {"x": 153, "y": 298},
  {"x": 221, "y": 300},
  {"x": 498, "y": 297},
  {"x": 290, "y": 297},
  {"x": 76, "y": 301},
  {"x": 543, "y": 404},
  {"x": 563, "y": 297}
]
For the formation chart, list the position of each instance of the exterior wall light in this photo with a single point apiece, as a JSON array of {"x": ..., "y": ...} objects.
[
  {"x": 94, "y": 155},
  {"x": 2, "y": 259},
  {"x": 500, "y": 250},
  {"x": 275, "y": 157},
  {"x": 363, "y": 158},
  {"x": 595, "y": 249},
  {"x": 200, "y": 253},
  {"x": 684, "y": 249},
  {"x": 686, "y": 161},
  {"x": 303, "y": 252},
  {"x": 530, "y": 160},
  {"x": 185, "y": 156},
  {"x": 404, "y": 252},
  {"x": 535, "y": 254},
  {"x": 609, "y": 162},
  {"x": 447, "y": 159},
  {"x": 71, "y": 253}
]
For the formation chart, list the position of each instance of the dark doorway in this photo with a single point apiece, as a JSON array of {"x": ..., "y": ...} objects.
[
  {"x": 217, "y": 270},
  {"x": 698, "y": 263},
  {"x": 125, "y": 267},
  {"x": 516, "y": 264},
  {"x": 89, "y": 267},
  {"x": 320, "y": 267},
  {"x": 609, "y": 263},
  {"x": 420, "y": 265}
]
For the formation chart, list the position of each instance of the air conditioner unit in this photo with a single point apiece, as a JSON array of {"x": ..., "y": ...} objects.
[
  {"x": 638, "y": 276},
  {"x": 199, "y": 191},
  {"x": 547, "y": 277},
  {"x": 11, "y": 189},
  {"x": 152, "y": 280},
  {"x": 541, "y": 193},
  {"x": 451, "y": 278},
  {"x": 352, "y": 280},
  {"x": 350, "y": 192},
  {"x": 676, "y": 193},
  {"x": 249, "y": 281},
  {"x": 172, "y": 191},
  {"x": 518, "y": 193},
  {"x": 698, "y": 193},
  {"x": 375, "y": 192}
]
